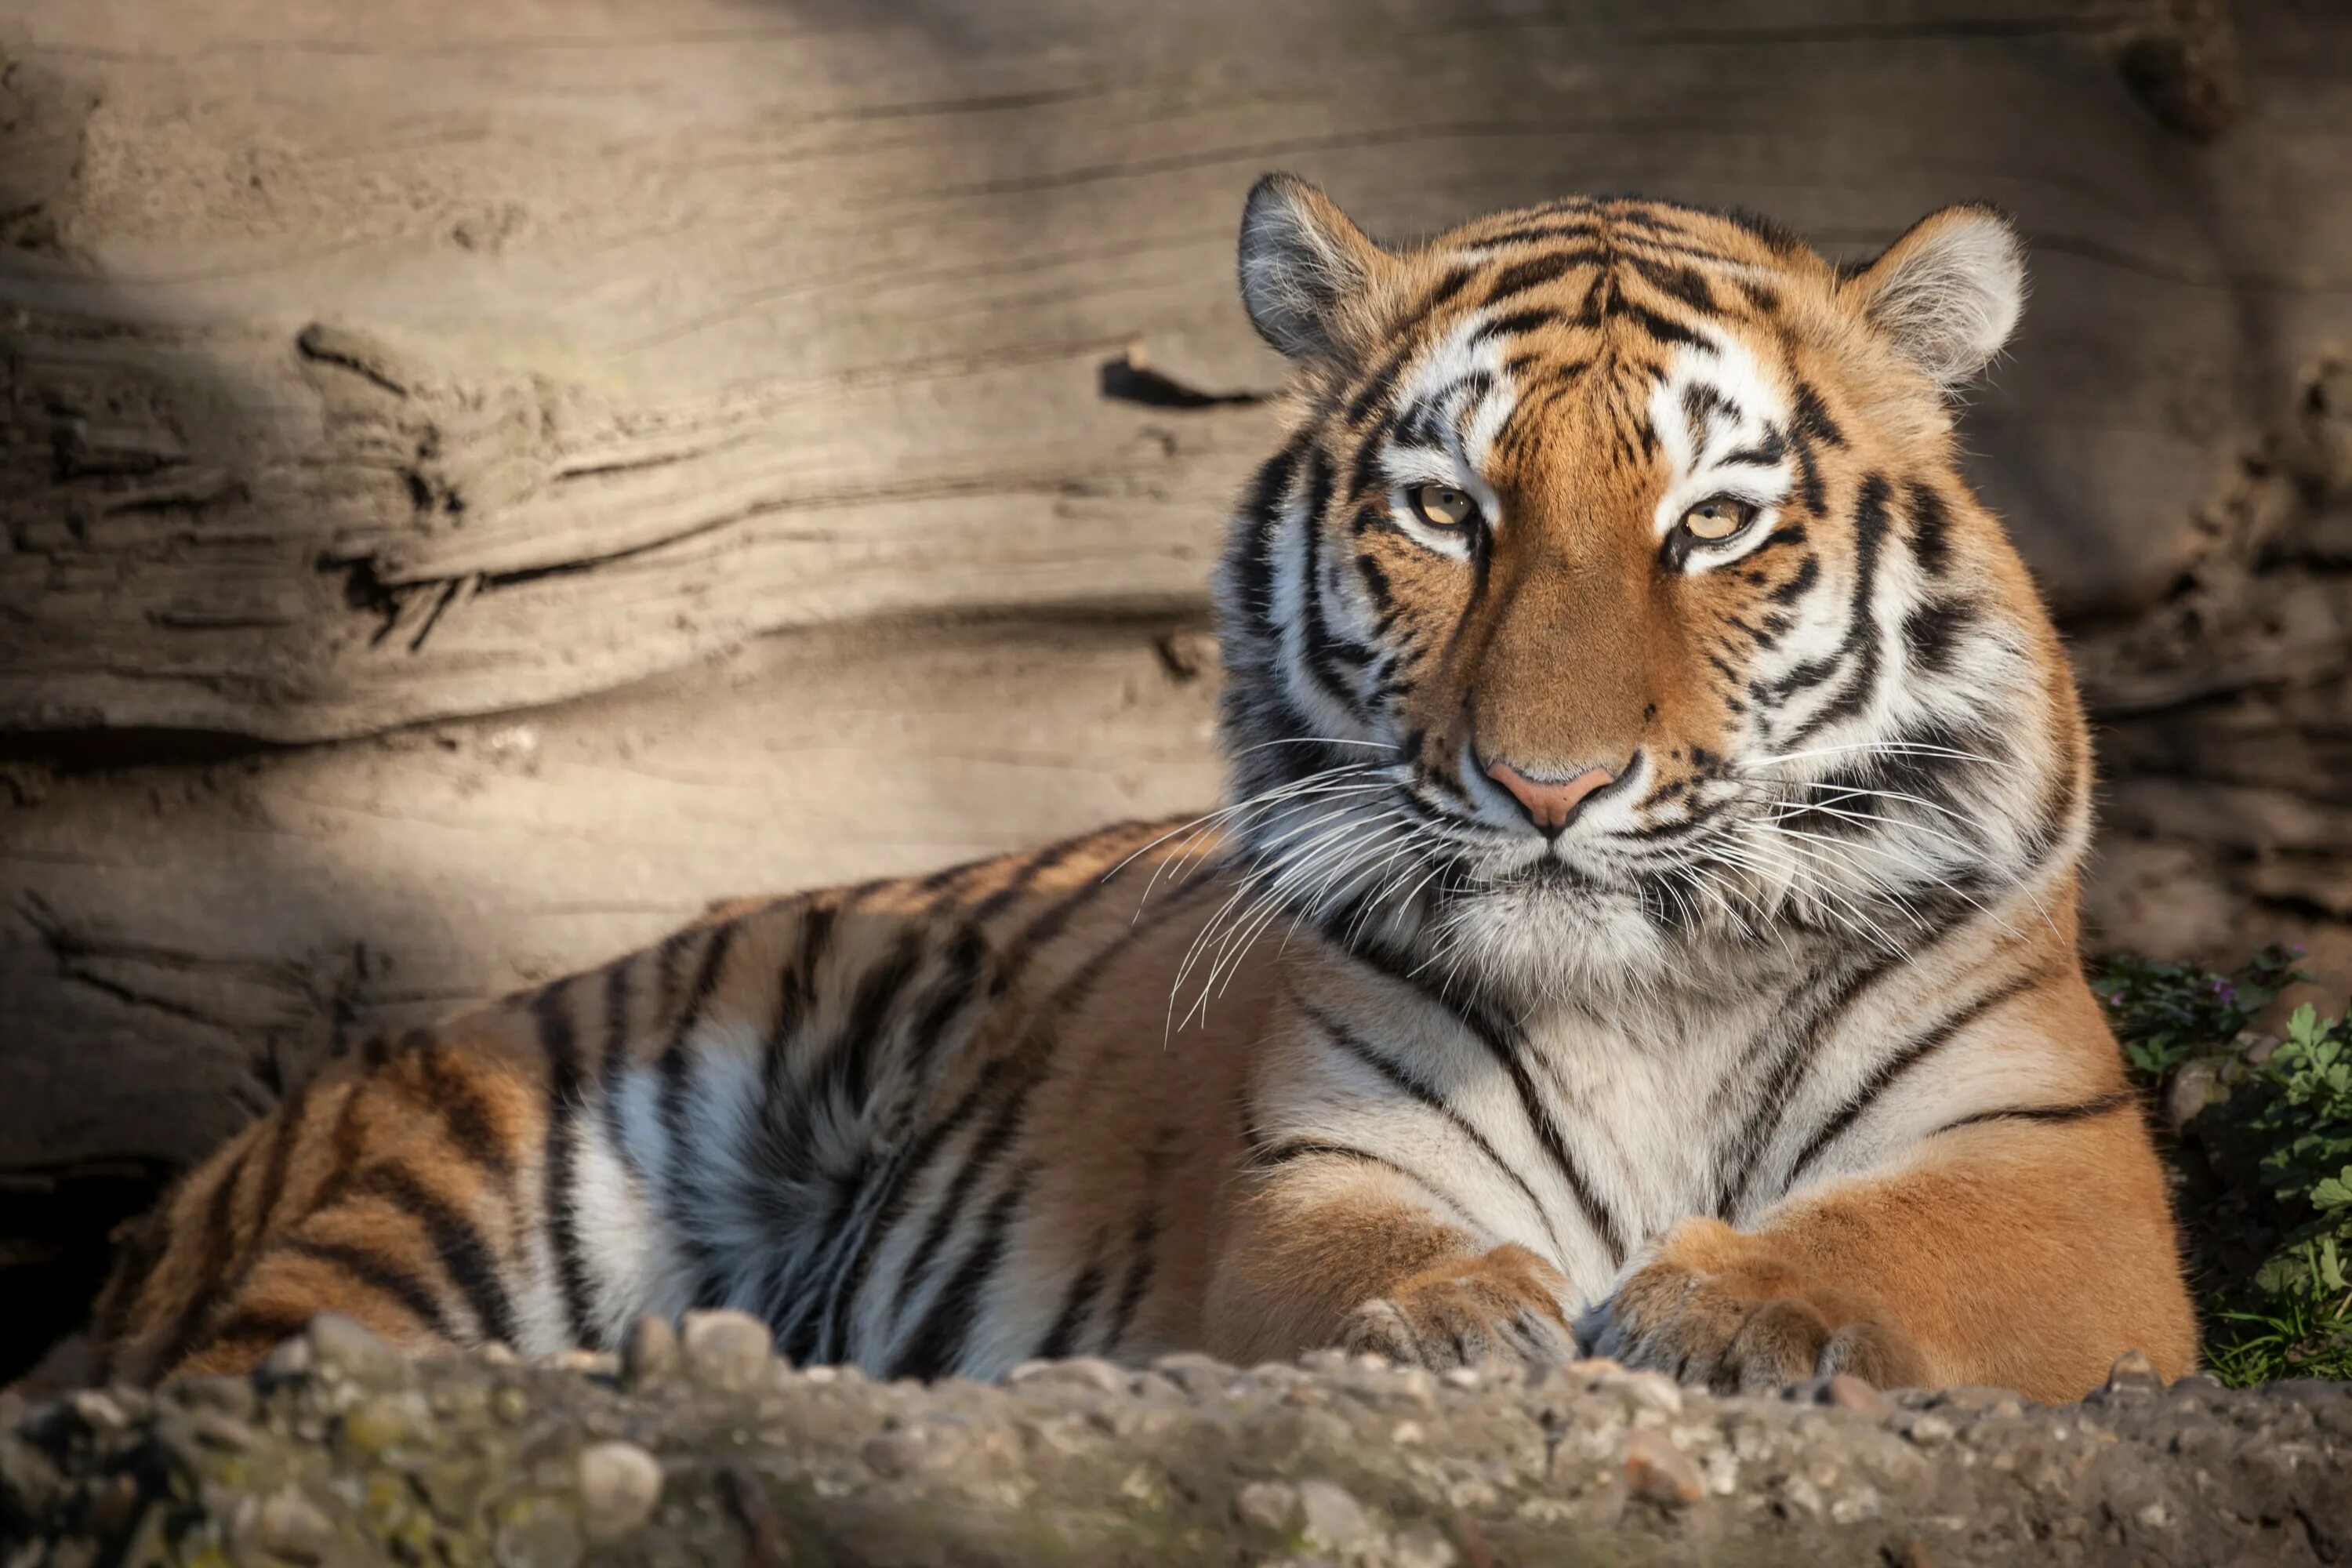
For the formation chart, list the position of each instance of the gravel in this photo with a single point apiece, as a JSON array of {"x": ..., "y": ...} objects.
[{"x": 704, "y": 1446}]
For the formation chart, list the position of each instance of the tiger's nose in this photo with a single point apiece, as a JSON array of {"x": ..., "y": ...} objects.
[{"x": 1550, "y": 805}]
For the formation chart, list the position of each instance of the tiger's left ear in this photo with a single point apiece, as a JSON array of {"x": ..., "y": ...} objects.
[
  {"x": 1307, "y": 270},
  {"x": 1949, "y": 292}
]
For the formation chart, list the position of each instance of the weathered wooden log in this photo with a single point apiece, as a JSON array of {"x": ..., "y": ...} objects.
[{"x": 371, "y": 366}]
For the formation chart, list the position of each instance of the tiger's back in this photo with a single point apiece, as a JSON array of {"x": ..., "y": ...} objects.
[{"x": 927, "y": 1125}]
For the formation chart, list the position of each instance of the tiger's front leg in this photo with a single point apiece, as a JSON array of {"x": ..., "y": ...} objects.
[
  {"x": 1331, "y": 1246},
  {"x": 2028, "y": 1253}
]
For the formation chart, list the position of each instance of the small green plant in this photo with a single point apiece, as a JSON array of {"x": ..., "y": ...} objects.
[{"x": 2263, "y": 1168}]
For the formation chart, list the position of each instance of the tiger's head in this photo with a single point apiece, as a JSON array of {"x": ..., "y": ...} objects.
[{"x": 1615, "y": 601}]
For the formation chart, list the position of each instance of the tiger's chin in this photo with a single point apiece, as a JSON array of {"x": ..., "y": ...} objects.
[{"x": 1549, "y": 932}]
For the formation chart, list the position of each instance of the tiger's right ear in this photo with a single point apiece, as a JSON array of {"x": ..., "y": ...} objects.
[{"x": 1306, "y": 268}]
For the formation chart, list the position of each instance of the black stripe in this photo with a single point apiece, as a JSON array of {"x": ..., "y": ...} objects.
[
  {"x": 1499, "y": 1040},
  {"x": 896, "y": 1191},
  {"x": 938, "y": 1341},
  {"x": 1536, "y": 272},
  {"x": 1322, "y": 651},
  {"x": 1514, "y": 323},
  {"x": 1932, "y": 633},
  {"x": 1249, "y": 558},
  {"x": 1077, "y": 1304},
  {"x": 1813, "y": 419},
  {"x": 465, "y": 1257},
  {"x": 558, "y": 1040},
  {"x": 683, "y": 1194},
  {"x": 1273, "y": 1156},
  {"x": 384, "y": 1277},
  {"x": 214, "y": 1257},
  {"x": 1900, "y": 1062},
  {"x": 1541, "y": 233},
  {"x": 1144, "y": 1261},
  {"x": 1931, "y": 526},
  {"x": 1664, "y": 329},
  {"x": 962, "y": 964},
  {"x": 1021, "y": 1072},
  {"x": 1808, "y": 572},
  {"x": 1783, "y": 1052},
  {"x": 613, "y": 1067},
  {"x": 1675, "y": 281},
  {"x": 464, "y": 1114},
  {"x": 2082, "y": 1110},
  {"x": 1413, "y": 1089},
  {"x": 899, "y": 1183},
  {"x": 1861, "y": 642},
  {"x": 1025, "y": 944},
  {"x": 845, "y": 1075}
]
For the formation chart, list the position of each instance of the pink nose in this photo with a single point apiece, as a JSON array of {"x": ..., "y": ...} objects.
[{"x": 1548, "y": 805}]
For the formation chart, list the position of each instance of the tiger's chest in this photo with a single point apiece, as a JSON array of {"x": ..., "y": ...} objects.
[{"x": 1580, "y": 1137}]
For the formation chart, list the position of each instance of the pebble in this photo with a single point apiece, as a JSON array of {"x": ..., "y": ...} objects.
[
  {"x": 1653, "y": 1390},
  {"x": 1656, "y": 1469},
  {"x": 231, "y": 1396},
  {"x": 375, "y": 1426},
  {"x": 99, "y": 1412},
  {"x": 340, "y": 1344},
  {"x": 727, "y": 1351},
  {"x": 1195, "y": 1375},
  {"x": 620, "y": 1486},
  {"x": 648, "y": 1352},
  {"x": 2133, "y": 1373},
  {"x": 1848, "y": 1392},
  {"x": 1929, "y": 1428},
  {"x": 291, "y": 1358},
  {"x": 1333, "y": 1519},
  {"x": 292, "y": 1525},
  {"x": 1269, "y": 1505},
  {"x": 1078, "y": 1371},
  {"x": 1424, "y": 1547}
]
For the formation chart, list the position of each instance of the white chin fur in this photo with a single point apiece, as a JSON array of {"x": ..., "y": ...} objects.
[{"x": 1556, "y": 941}]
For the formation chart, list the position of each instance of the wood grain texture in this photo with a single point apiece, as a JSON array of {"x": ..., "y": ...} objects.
[
  {"x": 371, "y": 365},
  {"x": 178, "y": 940}
]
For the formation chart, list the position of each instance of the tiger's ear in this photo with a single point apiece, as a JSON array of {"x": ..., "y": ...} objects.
[
  {"x": 1306, "y": 269},
  {"x": 1949, "y": 292}
]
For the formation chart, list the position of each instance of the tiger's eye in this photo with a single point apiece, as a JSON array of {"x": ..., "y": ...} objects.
[
  {"x": 1718, "y": 519},
  {"x": 1441, "y": 506}
]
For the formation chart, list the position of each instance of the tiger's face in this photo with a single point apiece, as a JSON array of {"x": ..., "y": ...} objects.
[{"x": 1616, "y": 602}]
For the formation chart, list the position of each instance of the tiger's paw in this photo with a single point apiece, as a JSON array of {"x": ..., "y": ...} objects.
[
  {"x": 1506, "y": 1302},
  {"x": 1719, "y": 1310}
]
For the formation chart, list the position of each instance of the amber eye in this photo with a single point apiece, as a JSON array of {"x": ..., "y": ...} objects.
[
  {"x": 1443, "y": 506},
  {"x": 1716, "y": 519}
]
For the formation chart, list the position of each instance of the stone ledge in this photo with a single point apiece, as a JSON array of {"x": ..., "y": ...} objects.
[{"x": 340, "y": 1452}]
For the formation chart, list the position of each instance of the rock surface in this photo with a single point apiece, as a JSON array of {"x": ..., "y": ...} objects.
[{"x": 341, "y": 1456}]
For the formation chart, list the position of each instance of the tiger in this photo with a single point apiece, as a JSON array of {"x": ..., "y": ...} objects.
[{"x": 1643, "y": 922}]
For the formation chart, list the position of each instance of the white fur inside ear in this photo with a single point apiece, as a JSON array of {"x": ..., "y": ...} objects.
[
  {"x": 1302, "y": 262},
  {"x": 1949, "y": 292}
]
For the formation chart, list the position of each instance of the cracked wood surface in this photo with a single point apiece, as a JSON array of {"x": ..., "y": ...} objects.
[
  {"x": 367, "y": 366},
  {"x": 177, "y": 940}
]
